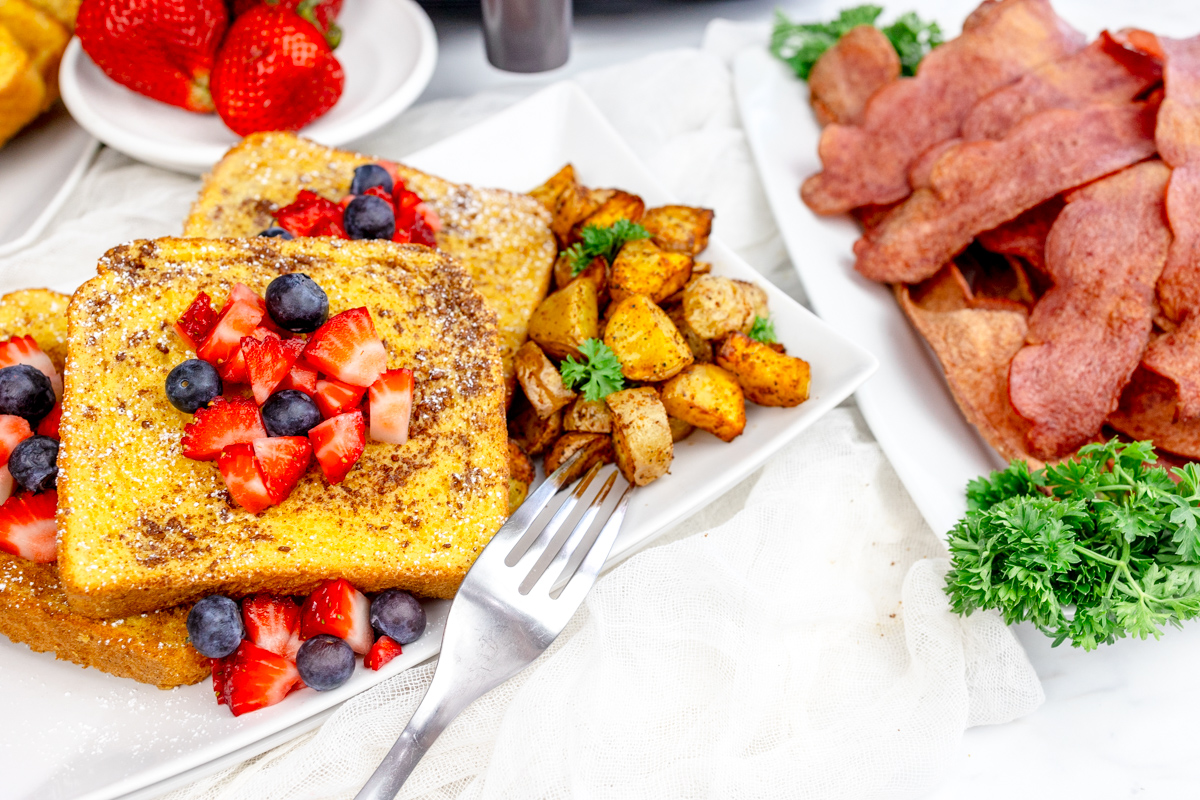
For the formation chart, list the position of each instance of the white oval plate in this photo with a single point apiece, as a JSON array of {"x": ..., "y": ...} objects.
[{"x": 388, "y": 50}]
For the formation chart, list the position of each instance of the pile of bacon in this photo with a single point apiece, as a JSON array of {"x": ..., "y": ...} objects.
[{"x": 1035, "y": 202}]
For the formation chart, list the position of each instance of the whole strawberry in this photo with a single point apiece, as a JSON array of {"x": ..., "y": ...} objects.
[
  {"x": 275, "y": 71},
  {"x": 322, "y": 13},
  {"x": 163, "y": 49}
]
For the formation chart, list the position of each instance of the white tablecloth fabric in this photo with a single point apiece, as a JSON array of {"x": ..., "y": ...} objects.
[{"x": 792, "y": 640}]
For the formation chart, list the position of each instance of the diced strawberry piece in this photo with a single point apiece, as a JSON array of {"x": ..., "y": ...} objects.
[
  {"x": 226, "y": 421},
  {"x": 267, "y": 362},
  {"x": 384, "y": 650},
  {"x": 6, "y": 483},
  {"x": 344, "y": 202},
  {"x": 13, "y": 431},
  {"x": 236, "y": 321},
  {"x": 307, "y": 213},
  {"x": 27, "y": 526},
  {"x": 393, "y": 169},
  {"x": 235, "y": 370},
  {"x": 402, "y": 235},
  {"x": 390, "y": 402},
  {"x": 257, "y": 678},
  {"x": 195, "y": 323},
  {"x": 301, "y": 377},
  {"x": 241, "y": 293},
  {"x": 283, "y": 460},
  {"x": 406, "y": 203},
  {"x": 273, "y": 623},
  {"x": 24, "y": 350},
  {"x": 49, "y": 424},
  {"x": 337, "y": 608},
  {"x": 334, "y": 397},
  {"x": 421, "y": 233},
  {"x": 331, "y": 227},
  {"x": 338, "y": 443},
  {"x": 380, "y": 192},
  {"x": 432, "y": 220},
  {"x": 220, "y": 676},
  {"x": 348, "y": 348},
  {"x": 244, "y": 478}
]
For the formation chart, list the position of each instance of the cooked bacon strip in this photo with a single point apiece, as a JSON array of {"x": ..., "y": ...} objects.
[
  {"x": 1025, "y": 235},
  {"x": 976, "y": 186},
  {"x": 1148, "y": 411},
  {"x": 1176, "y": 355},
  {"x": 868, "y": 164},
  {"x": 847, "y": 74},
  {"x": 1103, "y": 72},
  {"x": 1087, "y": 334}
]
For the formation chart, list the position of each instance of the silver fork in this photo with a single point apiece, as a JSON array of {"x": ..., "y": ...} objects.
[{"x": 516, "y": 599}]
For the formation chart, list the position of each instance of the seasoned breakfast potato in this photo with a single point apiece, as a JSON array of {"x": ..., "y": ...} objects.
[
  {"x": 520, "y": 475},
  {"x": 767, "y": 377},
  {"x": 641, "y": 434},
  {"x": 680, "y": 430},
  {"x": 550, "y": 193},
  {"x": 587, "y": 417},
  {"x": 566, "y": 319},
  {"x": 645, "y": 340},
  {"x": 597, "y": 449},
  {"x": 596, "y": 272},
  {"x": 702, "y": 349},
  {"x": 756, "y": 296},
  {"x": 709, "y": 398},
  {"x": 682, "y": 229},
  {"x": 715, "y": 306},
  {"x": 642, "y": 267},
  {"x": 619, "y": 205},
  {"x": 541, "y": 380},
  {"x": 533, "y": 433},
  {"x": 575, "y": 203}
]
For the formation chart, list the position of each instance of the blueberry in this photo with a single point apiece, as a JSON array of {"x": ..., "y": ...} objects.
[
  {"x": 369, "y": 175},
  {"x": 325, "y": 662},
  {"x": 25, "y": 392},
  {"x": 398, "y": 614},
  {"x": 369, "y": 217},
  {"x": 34, "y": 464},
  {"x": 215, "y": 626},
  {"x": 290, "y": 413},
  {"x": 297, "y": 303},
  {"x": 192, "y": 385},
  {"x": 276, "y": 232}
]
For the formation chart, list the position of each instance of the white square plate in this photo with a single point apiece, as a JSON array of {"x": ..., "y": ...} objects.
[{"x": 75, "y": 733}]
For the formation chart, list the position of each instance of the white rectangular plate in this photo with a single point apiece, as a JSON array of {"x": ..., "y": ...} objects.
[{"x": 75, "y": 733}]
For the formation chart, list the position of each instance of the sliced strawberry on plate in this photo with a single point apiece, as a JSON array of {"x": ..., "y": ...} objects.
[
  {"x": 334, "y": 397},
  {"x": 337, "y": 608},
  {"x": 6, "y": 483},
  {"x": 300, "y": 377},
  {"x": 13, "y": 431},
  {"x": 223, "y": 343},
  {"x": 195, "y": 323},
  {"x": 306, "y": 213},
  {"x": 273, "y": 623},
  {"x": 27, "y": 526},
  {"x": 384, "y": 650},
  {"x": 391, "y": 401},
  {"x": 226, "y": 421},
  {"x": 220, "y": 675},
  {"x": 244, "y": 478},
  {"x": 49, "y": 424},
  {"x": 24, "y": 350},
  {"x": 338, "y": 443},
  {"x": 267, "y": 362},
  {"x": 348, "y": 348},
  {"x": 257, "y": 678},
  {"x": 283, "y": 460}
]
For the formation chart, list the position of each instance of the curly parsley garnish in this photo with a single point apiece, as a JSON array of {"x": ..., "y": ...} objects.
[
  {"x": 763, "y": 330},
  {"x": 1102, "y": 546},
  {"x": 801, "y": 44},
  {"x": 603, "y": 242},
  {"x": 600, "y": 375}
]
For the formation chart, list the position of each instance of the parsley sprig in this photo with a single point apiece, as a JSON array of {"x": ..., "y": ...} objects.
[
  {"x": 603, "y": 242},
  {"x": 763, "y": 330},
  {"x": 1102, "y": 546},
  {"x": 801, "y": 44},
  {"x": 600, "y": 374}
]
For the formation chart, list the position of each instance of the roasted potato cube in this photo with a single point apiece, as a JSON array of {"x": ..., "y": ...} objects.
[
  {"x": 642, "y": 267},
  {"x": 587, "y": 417},
  {"x": 597, "y": 449},
  {"x": 715, "y": 306},
  {"x": 575, "y": 203},
  {"x": 680, "y": 430},
  {"x": 533, "y": 433},
  {"x": 682, "y": 229},
  {"x": 756, "y": 296},
  {"x": 596, "y": 272},
  {"x": 550, "y": 193},
  {"x": 702, "y": 349},
  {"x": 619, "y": 205},
  {"x": 566, "y": 319},
  {"x": 520, "y": 475},
  {"x": 645, "y": 340},
  {"x": 709, "y": 398},
  {"x": 541, "y": 380},
  {"x": 767, "y": 377},
  {"x": 641, "y": 434}
]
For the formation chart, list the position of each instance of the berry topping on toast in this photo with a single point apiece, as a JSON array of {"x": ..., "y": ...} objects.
[
  {"x": 27, "y": 526},
  {"x": 283, "y": 461},
  {"x": 391, "y": 399},
  {"x": 24, "y": 350},
  {"x": 273, "y": 623},
  {"x": 195, "y": 323},
  {"x": 334, "y": 397},
  {"x": 340, "y": 610},
  {"x": 348, "y": 348},
  {"x": 226, "y": 421},
  {"x": 244, "y": 478},
  {"x": 13, "y": 431},
  {"x": 337, "y": 444},
  {"x": 268, "y": 362}
]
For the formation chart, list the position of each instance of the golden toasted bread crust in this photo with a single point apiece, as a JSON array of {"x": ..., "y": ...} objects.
[
  {"x": 502, "y": 239},
  {"x": 411, "y": 516},
  {"x": 151, "y": 648}
]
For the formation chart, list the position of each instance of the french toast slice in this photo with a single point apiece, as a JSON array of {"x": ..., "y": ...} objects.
[
  {"x": 151, "y": 648},
  {"x": 411, "y": 516},
  {"x": 503, "y": 239}
]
